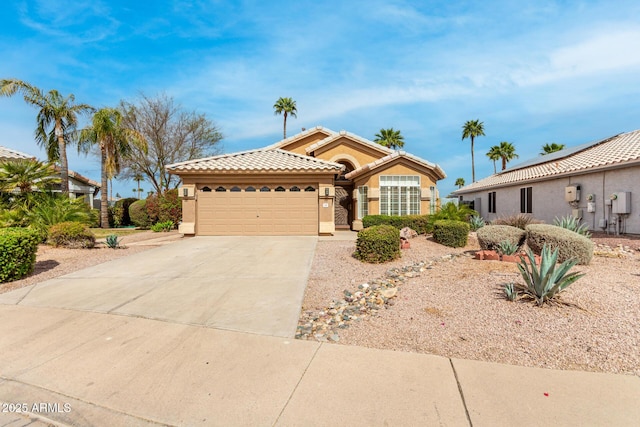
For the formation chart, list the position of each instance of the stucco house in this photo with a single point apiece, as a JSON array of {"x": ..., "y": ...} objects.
[
  {"x": 598, "y": 182},
  {"x": 311, "y": 183},
  {"x": 80, "y": 187}
]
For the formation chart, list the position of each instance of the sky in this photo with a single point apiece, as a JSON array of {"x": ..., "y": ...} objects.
[{"x": 534, "y": 72}]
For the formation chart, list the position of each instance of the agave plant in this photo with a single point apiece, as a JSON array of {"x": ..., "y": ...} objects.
[
  {"x": 476, "y": 222},
  {"x": 507, "y": 248},
  {"x": 572, "y": 223},
  {"x": 545, "y": 282},
  {"x": 112, "y": 241},
  {"x": 511, "y": 291}
]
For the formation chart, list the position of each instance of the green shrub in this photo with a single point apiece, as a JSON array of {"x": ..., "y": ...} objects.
[
  {"x": 570, "y": 244},
  {"x": 572, "y": 223},
  {"x": 72, "y": 235},
  {"x": 45, "y": 210},
  {"x": 138, "y": 214},
  {"x": 518, "y": 220},
  {"x": 380, "y": 243},
  {"x": 451, "y": 233},
  {"x": 415, "y": 222},
  {"x": 18, "y": 247},
  {"x": 453, "y": 212},
  {"x": 490, "y": 237},
  {"x": 170, "y": 207},
  {"x": 163, "y": 226},
  {"x": 121, "y": 207},
  {"x": 545, "y": 282}
]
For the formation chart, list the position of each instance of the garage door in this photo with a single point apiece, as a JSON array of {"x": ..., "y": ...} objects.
[{"x": 257, "y": 211}]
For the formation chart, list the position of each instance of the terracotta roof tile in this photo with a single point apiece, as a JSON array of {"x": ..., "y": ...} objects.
[
  {"x": 257, "y": 160},
  {"x": 7, "y": 153},
  {"x": 394, "y": 155},
  {"x": 350, "y": 135}
]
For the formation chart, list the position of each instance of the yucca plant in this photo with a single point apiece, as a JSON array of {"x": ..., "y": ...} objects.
[
  {"x": 476, "y": 222},
  {"x": 507, "y": 248},
  {"x": 112, "y": 241},
  {"x": 572, "y": 223},
  {"x": 545, "y": 282}
]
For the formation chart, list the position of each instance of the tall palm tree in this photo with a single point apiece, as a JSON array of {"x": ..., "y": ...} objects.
[
  {"x": 286, "y": 107},
  {"x": 56, "y": 121},
  {"x": 507, "y": 152},
  {"x": 25, "y": 174},
  {"x": 494, "y": 155},
  {"x": 472, "y": 129},
  {"x": 460, "y": 182},
  {"x": 551, "y": 148},
  {"x": 389, "y": 138},
  {"x": 115, "y": 142},
  {"x": 137, "y": 177}
]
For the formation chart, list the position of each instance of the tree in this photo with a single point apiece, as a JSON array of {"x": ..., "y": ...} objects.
[
  {"x": 137, "y": 177},
  {"x": 551, "y": 148},
  {"x": 494, "y": 155},
  {"x": 507, "y": 153},
  {"x": 460, "y": 182},
  {"x": 472, "y": 129},
  {"x": 116, "y": 143},
  {"x": 56, "y": 121},
  {"x": 25, "y": 174},
  {"x": 390, "y": 138},
  {"x": 286, "y": 107},
  {"x": 172, "y": 134}
]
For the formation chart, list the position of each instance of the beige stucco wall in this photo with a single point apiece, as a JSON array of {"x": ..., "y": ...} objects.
[
  {"x": 344, "y": 148},
  {"x": 549, "y": 202},
  {"x": 299, "y": 146}
]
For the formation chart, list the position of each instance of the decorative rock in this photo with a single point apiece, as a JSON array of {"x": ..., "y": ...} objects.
[
  {"x": 407, "y": 233},
  {"x": 389, "y": 293}
]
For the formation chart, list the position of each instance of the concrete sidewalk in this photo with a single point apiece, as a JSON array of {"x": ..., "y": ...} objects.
[{"x": 109, "y": 370}]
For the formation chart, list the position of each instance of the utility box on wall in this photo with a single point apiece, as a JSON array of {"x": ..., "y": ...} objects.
[
  {"x": 572, "y": 193},
  {"x": 621, "y": 202}
]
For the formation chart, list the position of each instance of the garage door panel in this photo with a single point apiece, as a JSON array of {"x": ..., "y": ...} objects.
[{"x": 257, "y": 213}]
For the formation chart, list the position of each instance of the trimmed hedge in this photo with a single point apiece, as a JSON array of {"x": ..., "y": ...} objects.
[
  {"x": 490, "y": 236},
  {"x": 72, "y": 235},
  {"x": 570, "y": 244},
  {"x": 122, "y": 209},
  {"x": 138, "y": 214},
  {"x": 18, "y": 247},
  {"x": 415, "y": 222},
  {"x": 380, "y": 243},
  {"x": 451, "y": 233}
]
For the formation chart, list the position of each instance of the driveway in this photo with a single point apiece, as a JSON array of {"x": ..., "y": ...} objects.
[{"x": 248, "y": 284}]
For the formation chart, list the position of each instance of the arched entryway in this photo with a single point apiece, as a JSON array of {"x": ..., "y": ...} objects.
[{"x": 344, "y": 201}]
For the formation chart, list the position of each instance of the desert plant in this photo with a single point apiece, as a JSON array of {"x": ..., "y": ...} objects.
[
  {"x": 451, "y": 233},
  {"x": 545, "y": 282},
  {"x": 380, "y": 243},
  {"x": 72, "y": 235},
  {"x": 163, "y": 226},
  {"x": 507, "y": 248},
  {"x": 476, "y": 222},
  {"x": 112, "y": 241},
  {"x": 18, "y": 247},
  {"x": 518, "y": 220},
  {"x": 570, "y": 245},
  {"x": 138, "y": 214},
  {"x": 491, "y": 236},
  {"x": 510, "y": 291},
  {"x": 572, "y": 223}
]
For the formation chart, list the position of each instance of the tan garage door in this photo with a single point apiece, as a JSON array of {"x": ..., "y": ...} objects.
[{"x": 251, "y": 213}]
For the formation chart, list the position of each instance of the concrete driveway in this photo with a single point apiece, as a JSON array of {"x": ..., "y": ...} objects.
[{"x": 248, "y": 284}]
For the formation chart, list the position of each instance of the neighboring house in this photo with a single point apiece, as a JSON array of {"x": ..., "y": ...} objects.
[
  {"x": 598, "y": 182},
  {"x": 311, "y": 183},
  {"x": 80, "y": 187}
]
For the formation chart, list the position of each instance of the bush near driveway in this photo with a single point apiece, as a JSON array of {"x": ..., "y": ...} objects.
[
  {"x": 72, "y": 235},
  {"x": 451, "y": 233},
  {"x": 138, "y": 214},
  {"x": 18, "y": 247},
  {"x": 380, "y": 243}
]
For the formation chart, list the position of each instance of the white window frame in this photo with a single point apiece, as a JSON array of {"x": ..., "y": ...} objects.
[
  {"x": 363, "y": 201},
  {"x": 400, "y": 195}
]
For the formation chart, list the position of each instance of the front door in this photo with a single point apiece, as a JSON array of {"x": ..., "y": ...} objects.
[{"x": 343, "y": 207}]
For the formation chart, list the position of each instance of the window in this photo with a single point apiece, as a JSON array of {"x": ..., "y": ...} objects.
[
  {"x": 206, "y": 189},
  {"x": 492, "y": 202},
  {"x": 294, "y": 188},
  {"x": 280, "y": 188},
  {"x": 526, "y": 199},
  {"x": 235, "y": 189},
  {"x": 400, "y": 195},
  {"x": 309, "y": 188},
  {"x": 265, "y": 189},
  {"x": 220, "y": 189},
  {"x": 363, "y": 201},
  {"x": 250, "y": 189}
]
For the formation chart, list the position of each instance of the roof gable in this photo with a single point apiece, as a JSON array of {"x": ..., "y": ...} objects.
[
  {"x": 358, "y": 140},
  {"x": 298, "y": 140},
  {"x": 391, "y": 159}
]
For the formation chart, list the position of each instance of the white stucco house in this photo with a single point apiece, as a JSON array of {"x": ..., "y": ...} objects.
[{"x": 598, "y": 182}]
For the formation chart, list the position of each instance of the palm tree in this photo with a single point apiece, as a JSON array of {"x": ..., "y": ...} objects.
[
  {"x": 460, "y": 182},
  {"x": 507, "y": 152},
  {"x": 115, "y": 142},
  {"x": 286, "y": 107},
  {"x": 25, "y": 174},
  {"x": 56, "y": 121},
  {"x": 494, "y": 155},
  {"x": 551, "y": 148},
  {"x": 137, "y": 177},
  {"x": 472, "y": 129},
  {"x": 390, "y": 138}
]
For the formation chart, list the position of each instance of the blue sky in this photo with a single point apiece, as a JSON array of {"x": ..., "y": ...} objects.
[{"x": 534, "y": 72}]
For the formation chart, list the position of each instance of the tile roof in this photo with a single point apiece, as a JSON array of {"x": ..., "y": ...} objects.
[
  {"x": 7, "y": 153},
  {"x": 334, "y": 136},
  {"x": 394, "y": 155},
  {"x": 612, "y": 152},
  {"x": 301, "y": 135},
  {"x": 260, "y": 160}
]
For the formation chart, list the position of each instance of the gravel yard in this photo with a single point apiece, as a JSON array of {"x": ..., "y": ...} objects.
[{"x": 455, "y": 308}]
